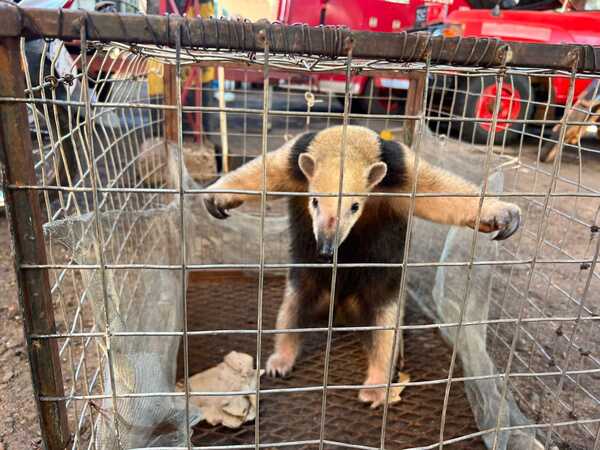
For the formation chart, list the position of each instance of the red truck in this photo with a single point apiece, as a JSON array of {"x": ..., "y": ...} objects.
[
  {"x": 577, "y": 22},
  {"x": 543, "y": 21},
  {"x": 378, "y": 95}
]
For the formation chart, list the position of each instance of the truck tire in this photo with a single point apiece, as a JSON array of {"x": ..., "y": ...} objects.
[{"x": 476, "y": 99}]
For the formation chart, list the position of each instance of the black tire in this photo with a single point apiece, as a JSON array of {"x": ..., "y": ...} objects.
[
  {"x": 374, "y": 100},
  {"x": 476, "y": 99}
]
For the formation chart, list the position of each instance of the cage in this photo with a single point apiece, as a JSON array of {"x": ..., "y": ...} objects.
[{"x": 129, "y": 287}]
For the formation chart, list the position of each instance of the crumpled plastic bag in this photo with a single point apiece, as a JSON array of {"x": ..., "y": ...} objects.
[{"x": 235, "y": 373}]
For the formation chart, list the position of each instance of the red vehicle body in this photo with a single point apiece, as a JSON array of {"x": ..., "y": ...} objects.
[
  {"x": 373, "y": 15},
  {"x": 527, "y": 21},
  {"x": 460, "y": 16},
  {"x": 364, "y": 15},
  {"x": 519, "y": 25},
  {"x": 552, "y": 27}
]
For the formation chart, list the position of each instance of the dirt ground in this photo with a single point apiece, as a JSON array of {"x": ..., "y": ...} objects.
[
  {"x": 554, "y": 290},
  {"x": 19, "y": 427}
]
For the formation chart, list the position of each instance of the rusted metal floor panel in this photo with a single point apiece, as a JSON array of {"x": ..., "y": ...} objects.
[{"x": 230, "y": 302}]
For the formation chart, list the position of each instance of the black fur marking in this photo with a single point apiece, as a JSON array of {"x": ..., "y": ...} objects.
[
  {"x": 299, "y": 147},
  {"x": 393, "y": 155},
  {"x": 378, "y": 236}
]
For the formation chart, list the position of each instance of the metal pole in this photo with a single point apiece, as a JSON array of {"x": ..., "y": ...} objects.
[
  {"x": 28, "y": 241},
  {"x": 170, "y": 98},
  {"x": 222, "y": 114}
]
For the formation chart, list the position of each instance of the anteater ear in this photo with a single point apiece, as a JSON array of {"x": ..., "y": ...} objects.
[
  {"x": 375, "y": 174},
  {"x": 307, "y": 165}
]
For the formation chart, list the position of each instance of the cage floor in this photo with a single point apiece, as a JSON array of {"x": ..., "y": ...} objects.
[{"x": 217, "y": 301}]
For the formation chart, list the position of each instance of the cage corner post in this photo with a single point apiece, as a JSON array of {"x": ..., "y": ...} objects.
[
  {"x": 26, "y": 220},
  {"x": 414, "y": 105},
  {"x": 170, "y": 99}
]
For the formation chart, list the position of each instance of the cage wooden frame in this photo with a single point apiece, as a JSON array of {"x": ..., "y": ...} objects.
[{"x": 185, "y": 35}]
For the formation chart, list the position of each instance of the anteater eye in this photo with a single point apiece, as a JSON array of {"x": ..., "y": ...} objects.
[
  {"x": 315, "y": 203},
  {"x": 354, "y": 207}
]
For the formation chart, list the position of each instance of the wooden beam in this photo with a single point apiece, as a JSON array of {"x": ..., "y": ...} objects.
[
  {"x": 414, "y": 105},
  {"x": 170, "y": 98},
  {"x": 28, "y": 241},
  {"x": 292, "y": 39}
]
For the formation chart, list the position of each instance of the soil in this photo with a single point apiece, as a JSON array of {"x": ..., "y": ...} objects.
[
  {"x": 19, "y": 426},
  {"x": 555, "y": 290}
]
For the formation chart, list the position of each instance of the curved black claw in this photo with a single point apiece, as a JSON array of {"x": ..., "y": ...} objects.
[
  {"x": 214, "y": 210},
  {"x": 511, "y": 225}
]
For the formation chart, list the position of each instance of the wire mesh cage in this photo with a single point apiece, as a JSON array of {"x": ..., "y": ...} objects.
[{"x": 130, "y": 287}]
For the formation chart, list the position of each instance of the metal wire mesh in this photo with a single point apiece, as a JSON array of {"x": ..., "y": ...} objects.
[{"x": 126, "y": 227}]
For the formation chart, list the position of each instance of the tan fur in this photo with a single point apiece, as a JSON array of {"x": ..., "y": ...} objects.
[
  {"x": 380, "y": 355},
  {"x": 583, "y": 111},
  {"x": 362, "y": 152},
  {"x": 360, "y": 163},
  {"x": 250, "y": 176},
  {"x": 321, "y": 166},
  {"x": 362, "y": 146},
  {"x": 459, "y": 211},
  {"x": 287, "y": 345},
  {"x": 383, "y": 341}
]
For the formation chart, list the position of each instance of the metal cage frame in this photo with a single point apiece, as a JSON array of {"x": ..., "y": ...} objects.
[{"x": 263, "y": 41}]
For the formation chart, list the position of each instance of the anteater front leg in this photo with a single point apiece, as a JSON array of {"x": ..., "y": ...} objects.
[
  {"x": 249, "y": 177},
  {"x": 287, "y": 345},
  {"x": 380, "y": 349},
  {"x": 303, "y": 306},
  {"x": 495, "y": 215}
]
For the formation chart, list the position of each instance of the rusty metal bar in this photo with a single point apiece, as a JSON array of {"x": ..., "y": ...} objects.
[
  {"x": 295, "y": 39},
  {"x": 170, "y": 98},
  {"x": 175, "y": 87},
  {"x": 28, "y": 239},
  {"x": 414, "y": 105}
]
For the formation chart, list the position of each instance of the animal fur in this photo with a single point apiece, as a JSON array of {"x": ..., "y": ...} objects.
[
  {"x": 586, "y": 109},
  {"x": 370, "y": 230}
]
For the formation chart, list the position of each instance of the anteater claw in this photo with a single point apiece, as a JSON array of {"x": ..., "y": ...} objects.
[
  {"x": 215, "y": 210},
  {"x": 502, "y": 217},
  {"x": 279, "y": 365},
  {"x": 508, "y": 229}
]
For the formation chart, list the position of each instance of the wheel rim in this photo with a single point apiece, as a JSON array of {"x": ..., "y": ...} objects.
[{"x": 510, "y": 106}]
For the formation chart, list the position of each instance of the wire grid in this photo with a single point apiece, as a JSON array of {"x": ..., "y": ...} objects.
[
  {"x": 543, "y": 324},
  {"x": 565, "y": 229},
  {"x": 115, "y": 149}
]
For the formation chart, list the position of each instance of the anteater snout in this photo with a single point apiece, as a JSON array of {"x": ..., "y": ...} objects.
[{"x": 325, "y": 248}]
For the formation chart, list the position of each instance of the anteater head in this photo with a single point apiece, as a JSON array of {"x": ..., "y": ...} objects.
[{"x": 320, "y": 163}]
